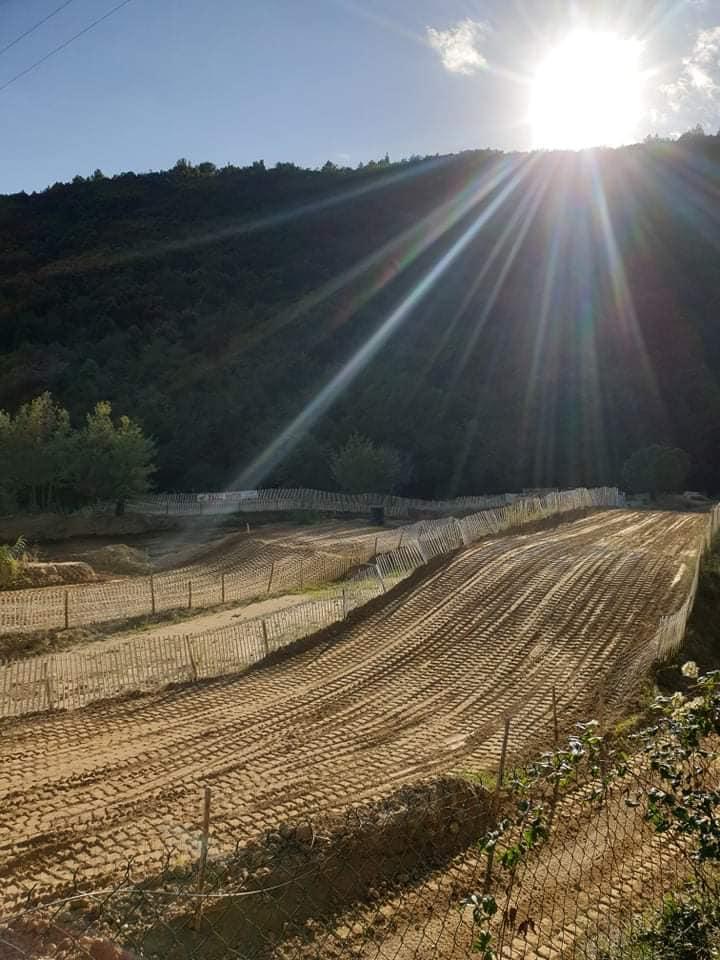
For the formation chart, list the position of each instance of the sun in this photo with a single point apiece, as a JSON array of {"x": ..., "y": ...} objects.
[{"x": 588, "y": 92}]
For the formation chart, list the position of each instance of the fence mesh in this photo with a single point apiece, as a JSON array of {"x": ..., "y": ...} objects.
[
  {"x": 76, "y": 678},
  {"x": 405, "y": 876},
  {"x": 571, "y": 864}
]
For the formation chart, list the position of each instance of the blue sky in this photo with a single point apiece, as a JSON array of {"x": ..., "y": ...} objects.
[{"x": 312, "y": 80}]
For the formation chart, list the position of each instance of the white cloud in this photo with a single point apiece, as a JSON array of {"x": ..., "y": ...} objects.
[
  {"x": 696, "y": 90},
  {"x": 458, "y": 46}
]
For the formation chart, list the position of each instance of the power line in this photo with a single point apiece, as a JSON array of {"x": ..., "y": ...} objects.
[
  {"x": 34, "y": 28},
  {"x": 63, "y": 45}
]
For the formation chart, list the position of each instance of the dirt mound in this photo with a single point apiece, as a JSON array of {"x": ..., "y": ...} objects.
[
  {"x": 119, "y": 558},
  {"x": 55, "y": 574}
]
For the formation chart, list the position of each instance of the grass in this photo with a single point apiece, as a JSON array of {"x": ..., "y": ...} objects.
[
  {"x": 702, "y": 638},
  {"x": 686, "y": 927},
  {"x": 482, "y": 778}
]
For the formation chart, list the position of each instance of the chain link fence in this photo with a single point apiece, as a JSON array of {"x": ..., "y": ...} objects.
[{"x": 558, "y": 857}]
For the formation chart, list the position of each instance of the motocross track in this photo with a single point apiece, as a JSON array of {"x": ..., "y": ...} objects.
[{"x": 417, "y": 686}]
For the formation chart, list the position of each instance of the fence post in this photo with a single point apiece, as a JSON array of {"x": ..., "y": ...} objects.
[
  {"x": 272, "y": 573},
  {"x": 222, "y": 586},
  {"x": 496, "y": 802},
  {"x": 189, "y": 594},
  {"x": 379, "y": 576},
  {"x": 46, "y": 683},
  {"x": 202, "y": 865},
  {"x": 344, "y": 606},
  {"x": 67, "y": 609},
  {"x": 266, "y": 643},
  {"x": 191, "y": 658},
  {"x": 152, "y": 592},
  {"x": 302, "y": 570},
  {"x": 556, "y": 741}
]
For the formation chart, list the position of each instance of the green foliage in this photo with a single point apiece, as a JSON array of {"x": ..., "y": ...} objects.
[
  {"x": 680, "y": 799},
  {"x": 115, "y": 458},
  {"x": 686, "y": 928},
  {"x": 362, "y": 467},
  {"x": 37, "y": 451},
  {"x": 11, "y": 559},
  {"x": 214, "y": 305},
  {"x": 47, "y": 464},
  {"x": 656, "y": 469}
]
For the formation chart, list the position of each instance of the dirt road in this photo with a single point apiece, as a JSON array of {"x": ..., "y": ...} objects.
[{"x": 418, "y": 686}]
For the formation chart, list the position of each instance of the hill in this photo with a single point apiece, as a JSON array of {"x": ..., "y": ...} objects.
[{"x": 502, "y": 320}]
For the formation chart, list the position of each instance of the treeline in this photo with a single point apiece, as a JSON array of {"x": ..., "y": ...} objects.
[
  {"x": 46, "y": 463},
  {"x": 499, "y": 321}
]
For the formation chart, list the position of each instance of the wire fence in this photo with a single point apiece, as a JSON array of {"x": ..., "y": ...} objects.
[
  {"x": 561, "y": 856},
  {"x": 63, "y": 607},
  {"x": 73, "y": 679},
  {"x": 548, "y": 855},
  {"x": 275, "y": 499}
]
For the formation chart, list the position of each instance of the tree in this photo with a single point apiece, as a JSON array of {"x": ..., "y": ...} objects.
[
  {"x": 656, "y": 469},
  {"x": 39, "y": 451},
  {"x": 116, "y": 458},
  {"x": 362, "y": 467}
]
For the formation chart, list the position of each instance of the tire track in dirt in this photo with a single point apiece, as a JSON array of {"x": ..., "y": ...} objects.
[{"x": 418, "y": 686}]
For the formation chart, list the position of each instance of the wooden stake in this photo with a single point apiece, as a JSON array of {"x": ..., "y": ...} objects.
[
  {"x": 266, "y": 643},
  {"x": 67, "y": 609},
  {"x": 496, "y": 801},
  {"x": 46, "y": 682},
  {"x": 202, "y": 864},
  {"x": 379, "y": 576},
  {"x": 272, "y": 573},
  {"x": 344, "y": 607},
  {"x": 189, "y": 594},
  {"x": 302, "y": 566},
  {"x": 152, "y": 592},
  {"x": 191, "y": 658},
  {"x": 222, "y": 586}
]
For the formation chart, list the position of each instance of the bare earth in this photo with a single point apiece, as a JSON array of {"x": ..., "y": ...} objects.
[{"x": 417, "y": 687}]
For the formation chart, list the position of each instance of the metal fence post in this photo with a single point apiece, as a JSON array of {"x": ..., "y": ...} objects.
[
  {"x": 496, "y": 802},
  {"x": 202, "y": 864}
]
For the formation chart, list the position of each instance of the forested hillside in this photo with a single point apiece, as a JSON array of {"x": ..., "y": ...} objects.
[{"x": 562, "y": 311}]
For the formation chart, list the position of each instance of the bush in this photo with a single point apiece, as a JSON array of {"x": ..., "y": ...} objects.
[
  {"x": 11, "y": 559},
  {"x": 362, "y": 467},
  {"x": 656, "y": 469}
]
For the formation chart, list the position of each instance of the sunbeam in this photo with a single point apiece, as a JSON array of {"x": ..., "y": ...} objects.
[{"x": 512, "y": 173}]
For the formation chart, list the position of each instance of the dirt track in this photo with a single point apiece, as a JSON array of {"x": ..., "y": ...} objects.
[
  {"x": 242, "y": 566},
  {"x": 417, "y": 687}
]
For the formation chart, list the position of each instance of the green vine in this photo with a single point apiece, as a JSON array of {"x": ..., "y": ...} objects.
[{"x": 678, "y": 748}]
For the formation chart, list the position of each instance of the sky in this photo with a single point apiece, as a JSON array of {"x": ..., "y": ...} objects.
[{"x": 233, "y": 81}]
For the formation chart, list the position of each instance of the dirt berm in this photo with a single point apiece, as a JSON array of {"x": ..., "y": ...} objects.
[{"x": 285, "y": 884}]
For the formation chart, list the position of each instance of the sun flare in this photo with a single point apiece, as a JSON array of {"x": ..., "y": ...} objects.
[{"x": 588, "y": 92}]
